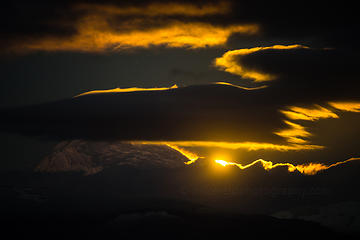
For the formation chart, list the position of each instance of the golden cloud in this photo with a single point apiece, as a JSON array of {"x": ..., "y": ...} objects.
[
  {"x": 310, "y": 114},
  {"x": 294, "y": 133},
  {"x": 229, "y": 62},
  {"x": 346, "y": 106},
  {"x": 99, "y": 30}
]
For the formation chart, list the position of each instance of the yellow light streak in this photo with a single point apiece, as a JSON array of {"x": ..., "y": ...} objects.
[
  {"x": 192, "y": 157},
  {"x": 307, "y": 169},
  {"x": 122, "y": 90}
]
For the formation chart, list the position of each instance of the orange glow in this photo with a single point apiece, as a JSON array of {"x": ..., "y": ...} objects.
[
  {"x": 229, "y": 62},
  {"x": 222, "y": 162},
  {"x": 307, "y": 169},
  {"x": 121, "y": 90},
  {"x": 189, "y": 155},
  {"x": 251, "y": 146},
  {"x": 346, "y": 106},
  {"x": 142, "y": 28}
]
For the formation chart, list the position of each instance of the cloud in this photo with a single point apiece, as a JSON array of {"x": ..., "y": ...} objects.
[
  {"x": 232, "y": 120},
  {"x": 92, "y": 157},
  {"x": 299, "y": 75},
  {"x": 247, "y": 121},
  {"x": 38, "y": 26},
  {"x": 94, "y": 35},
  {"x": 294, "y": 134},
  {"x": 346, "y": 106},
  {"x": 309, "y": 114},
  {"x": 188, "y": 113},
  {"x": 108, "y": 27},
  {"x": 231, "y": 62}
]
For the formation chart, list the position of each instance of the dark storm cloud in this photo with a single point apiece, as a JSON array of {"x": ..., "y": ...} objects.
[
  {"x": 210, "y": 112},
  {"x": 25, "y": 20},
  {"x": 207, "y": 114},
  {"x": 320, "y": 23},
  {"x": 307, "y": 75}
]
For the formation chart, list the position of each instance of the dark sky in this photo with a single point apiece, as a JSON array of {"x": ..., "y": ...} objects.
[
  {"x": 294, "y": 68},
  {"x": 38, "y": 66},
  {"x": 102, "y": 103}
]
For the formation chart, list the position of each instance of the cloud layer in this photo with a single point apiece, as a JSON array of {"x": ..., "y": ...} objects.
[{"x": 102, "y": 27}]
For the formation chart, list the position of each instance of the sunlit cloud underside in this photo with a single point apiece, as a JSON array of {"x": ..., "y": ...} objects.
[
  {"x": 296, "y": 133},
  {"x": 229, "y": 62}
]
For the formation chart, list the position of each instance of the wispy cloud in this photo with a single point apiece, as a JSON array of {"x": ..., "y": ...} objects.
[
  {"x": 346, "y": 106},
  {"x": 230, "y": 62},
  {"x": 309, "y": 114}
]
